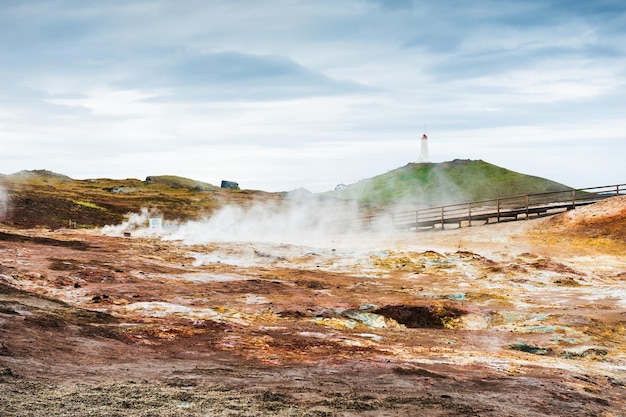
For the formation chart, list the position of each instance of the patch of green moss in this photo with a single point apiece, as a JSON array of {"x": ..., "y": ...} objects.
[{"x": 88, "y": 205}]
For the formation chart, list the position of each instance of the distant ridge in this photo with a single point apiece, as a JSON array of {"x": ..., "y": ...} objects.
[
  {"x": 43, "y": 173},
  {"x": 180, "y": 182},
  {"x": 433, "y": 184},
  {"x": 42, "y": 198}
]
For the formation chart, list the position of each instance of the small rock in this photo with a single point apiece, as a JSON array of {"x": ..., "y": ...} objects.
[{"x": 6, "y": 372}]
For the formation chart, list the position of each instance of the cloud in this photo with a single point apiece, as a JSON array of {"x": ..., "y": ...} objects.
[
  {"x": 497, "y": 61},
  {"x": 237, "y": 76},
  {"x": 272, "y": 92}
]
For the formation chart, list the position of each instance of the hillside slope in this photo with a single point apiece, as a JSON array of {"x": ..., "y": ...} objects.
[
  {"x": 606, "y": 219},
  {"x": 46, "y": 199},
  {"x": 432, "y": 184}
]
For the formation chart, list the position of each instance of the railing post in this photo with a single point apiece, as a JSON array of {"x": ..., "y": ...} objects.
[
  {"x": 417, "y": 220},
  {"x": 573, "y": 199},
  {"x": 469, "y": 214},
  {"x": 526, "y": 206},
  {"x": 498, "y": 204},
  {"x": 442, "y": 219},
  {"x": 617, "y": 189}
]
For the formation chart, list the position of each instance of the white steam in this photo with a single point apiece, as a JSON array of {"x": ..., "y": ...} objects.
[
  {"x": 298, "y": 219},
  {"x": 137, "y": 223},
  {"x": 295, "y": 221}
]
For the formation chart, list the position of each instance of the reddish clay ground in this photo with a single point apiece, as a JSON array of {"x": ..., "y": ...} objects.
[{"x": 519, "y": 319}]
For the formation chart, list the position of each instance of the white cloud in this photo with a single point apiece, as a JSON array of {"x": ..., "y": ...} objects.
[{"x": 281, "y": 94}]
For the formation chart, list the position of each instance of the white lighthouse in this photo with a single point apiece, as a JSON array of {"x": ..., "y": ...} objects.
[{"x": 424, "y": 149}]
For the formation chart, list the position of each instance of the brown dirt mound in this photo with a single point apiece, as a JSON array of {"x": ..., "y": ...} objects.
[{"x": 604, "y": 219}]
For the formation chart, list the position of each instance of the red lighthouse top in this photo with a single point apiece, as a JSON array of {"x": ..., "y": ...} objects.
[{"x": 424, "y": 136}]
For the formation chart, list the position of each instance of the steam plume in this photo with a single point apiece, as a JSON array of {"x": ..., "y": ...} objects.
[
  {"x": 138, "y": 222},
  {"x": 298, "y": 219}
]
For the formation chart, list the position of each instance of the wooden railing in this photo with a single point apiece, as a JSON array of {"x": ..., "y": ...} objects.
[{"x": 517, "y": 207}]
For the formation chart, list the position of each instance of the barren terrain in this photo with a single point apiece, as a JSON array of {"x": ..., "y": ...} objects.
[{"x": 514, "y": 319}]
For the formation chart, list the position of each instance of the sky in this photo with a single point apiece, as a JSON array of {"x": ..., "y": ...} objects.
[{"x": 285, "y": 94}]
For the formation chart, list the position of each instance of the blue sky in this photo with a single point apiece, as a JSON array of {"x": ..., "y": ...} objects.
[{"x": 282, "y": 94}]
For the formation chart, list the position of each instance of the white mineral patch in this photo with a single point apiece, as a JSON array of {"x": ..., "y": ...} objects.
[
  {"x": 474, "y": 322},
  {"x": 255, "y": 299},
  {"x": 371, "y": 336},
  {"x": 158, "y": 309},
  {"x": 313, "y": 334},
  {"x": 219, "y": 258},
  {"x": 163, "y": 309},
  {"x": 205, "y": 277},
  {"x": 607, "y": 294}
]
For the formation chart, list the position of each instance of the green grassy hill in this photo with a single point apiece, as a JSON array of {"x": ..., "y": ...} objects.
[{"x": 433, "y": 184}]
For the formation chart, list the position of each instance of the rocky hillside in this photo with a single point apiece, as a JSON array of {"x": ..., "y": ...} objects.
[
  {"x": 46, "y": 199},
  {"x": 606, "y": 219}
]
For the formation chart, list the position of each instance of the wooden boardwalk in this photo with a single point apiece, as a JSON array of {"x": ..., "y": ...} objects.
[{"x": 518, "y": 207}]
